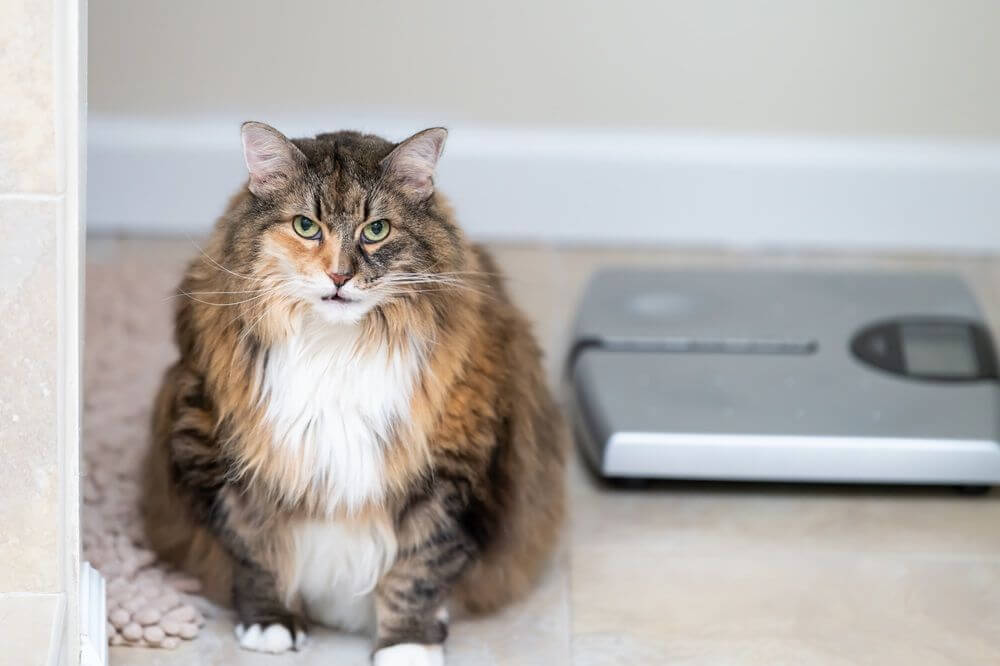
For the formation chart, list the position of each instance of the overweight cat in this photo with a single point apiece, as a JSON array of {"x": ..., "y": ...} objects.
[{"x": 358, "y": 431}]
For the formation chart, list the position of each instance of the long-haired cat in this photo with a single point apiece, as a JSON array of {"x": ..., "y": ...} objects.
[{"x": 358, "y": 430}]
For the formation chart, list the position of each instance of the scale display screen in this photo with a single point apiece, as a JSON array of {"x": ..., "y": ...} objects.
[
  {"x": 931, "y": 348},
  {"x": 939, "y": 349}
]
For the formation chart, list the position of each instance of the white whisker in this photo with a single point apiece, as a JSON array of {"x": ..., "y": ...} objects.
[
  {"x": 194, "y": 298},
  {"x": 210, "y": 293},
  {"x": 261, "y": 293},
  {"x": 217, "y": 264},
  {"x": 253, "y": 324}
]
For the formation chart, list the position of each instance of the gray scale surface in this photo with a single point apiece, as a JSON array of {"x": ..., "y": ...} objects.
[{"x": 749, "y": 376}]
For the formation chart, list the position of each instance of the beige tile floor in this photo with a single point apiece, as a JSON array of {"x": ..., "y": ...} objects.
[{"x": 683, "y": 573}]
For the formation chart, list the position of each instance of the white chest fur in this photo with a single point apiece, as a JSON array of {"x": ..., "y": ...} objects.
[
  {"x": 337, "y": 566},
  {"x": 331, "y": 403}
]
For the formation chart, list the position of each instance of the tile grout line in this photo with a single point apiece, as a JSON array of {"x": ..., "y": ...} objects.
[{"x": 31, "y": 196}]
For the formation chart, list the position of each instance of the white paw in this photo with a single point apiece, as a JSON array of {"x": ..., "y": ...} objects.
[
  {"x": 410, "y": 654},
  {"x": 274, "y": 638}
]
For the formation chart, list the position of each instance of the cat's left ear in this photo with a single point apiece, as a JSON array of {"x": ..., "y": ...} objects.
[{"x": 410, "y": 166}]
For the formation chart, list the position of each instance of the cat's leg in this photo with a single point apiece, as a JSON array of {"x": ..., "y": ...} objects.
[
  {"x": 202, "y": 472},
  {"x": 264, "y": 623},
  {"x": 410, "y": 599},
  {"x": 411, "y": 624}
]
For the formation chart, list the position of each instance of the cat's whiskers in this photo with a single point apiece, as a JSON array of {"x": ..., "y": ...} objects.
[
  {"x": 416, "y": 285},
  {"x": 486, "y": 274},
  {"x": 424, "y": 277},
  {"x": 216, "y": 263},
  {"x": 206, "y": 293},
  {"x": 199, "y": 300},
  {"x": 418, "y": 278},
  {"x": 246, "y": 332},
  {"x": 260, "y": 293},
  {"x": 395, "y": 289},
  {"x": 277, "y": 289},
  {"x": 414, "y": 282},
  {"x": 265, "y": 310}
]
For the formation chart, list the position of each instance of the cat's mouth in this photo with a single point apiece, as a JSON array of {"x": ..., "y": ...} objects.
[{"x": 336, "y": 297}]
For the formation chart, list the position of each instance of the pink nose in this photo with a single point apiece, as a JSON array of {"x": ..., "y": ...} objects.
[{"x": 340, "y": 279}]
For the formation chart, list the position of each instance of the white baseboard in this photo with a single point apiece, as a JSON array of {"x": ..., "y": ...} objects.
[
  {"x": 57, "y": 642},
  {"x": 93, "y": 617},
  {"x": 597, "y": 187}
]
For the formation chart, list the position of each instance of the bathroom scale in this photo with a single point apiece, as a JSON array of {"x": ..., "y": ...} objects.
[{"x": 785, "y": 376}]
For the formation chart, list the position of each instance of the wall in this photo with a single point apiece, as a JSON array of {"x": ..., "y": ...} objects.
[
  {"x": 40, "y": 67},
  {"x": 899, "y": 67},
  {"x": 821, "y": 123}
]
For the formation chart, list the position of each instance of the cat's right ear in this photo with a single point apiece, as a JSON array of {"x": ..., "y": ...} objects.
[{"x": 271, "y": 158}]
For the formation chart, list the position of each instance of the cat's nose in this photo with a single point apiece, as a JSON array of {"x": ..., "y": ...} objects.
[{"x": 340, "y": 279}]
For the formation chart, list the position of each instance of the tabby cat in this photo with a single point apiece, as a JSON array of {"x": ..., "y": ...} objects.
[{"x": 358, "y": 431}]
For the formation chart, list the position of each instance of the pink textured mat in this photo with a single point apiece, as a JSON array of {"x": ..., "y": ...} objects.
[{"x": 127, "y": 347}]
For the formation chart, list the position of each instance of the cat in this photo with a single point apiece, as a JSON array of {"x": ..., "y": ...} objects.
[{"x": 358, "y": 431}]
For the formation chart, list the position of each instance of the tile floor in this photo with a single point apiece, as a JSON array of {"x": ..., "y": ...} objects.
[{"x": 685, "y": 573}]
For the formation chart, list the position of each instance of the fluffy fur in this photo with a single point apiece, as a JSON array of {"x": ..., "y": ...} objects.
[
  {"x": 357, "y": 431},
  {"x": 325, "y": 383}
]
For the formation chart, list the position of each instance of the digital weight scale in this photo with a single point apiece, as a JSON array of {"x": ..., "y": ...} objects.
[{"x": 785, "y": 376}]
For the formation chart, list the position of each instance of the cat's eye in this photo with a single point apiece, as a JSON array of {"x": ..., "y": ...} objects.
[
  {"x": 305, "y": 227},
  {"x": 375, "y": 231}
]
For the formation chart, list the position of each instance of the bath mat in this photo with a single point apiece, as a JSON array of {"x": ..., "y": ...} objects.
[{"x": 127, "y": 346}]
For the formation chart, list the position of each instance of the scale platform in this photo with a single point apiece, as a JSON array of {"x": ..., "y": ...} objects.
[{"x": 785, "y": 376}]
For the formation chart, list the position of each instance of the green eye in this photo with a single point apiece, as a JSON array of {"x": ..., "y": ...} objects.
[
  {"x": 305, "y": 227},
  {"x": 375, "y": 231}
]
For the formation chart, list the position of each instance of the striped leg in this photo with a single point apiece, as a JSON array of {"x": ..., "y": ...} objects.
[
  {"x": 198, "y": 467},
  {"x": 410, "y": 599}
]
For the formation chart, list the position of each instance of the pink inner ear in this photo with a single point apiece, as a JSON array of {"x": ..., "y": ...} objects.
[
  {"x": 412, "y": 163},
  {"x": 267, "y": 153},
  {"x": 413, "y": 173}
]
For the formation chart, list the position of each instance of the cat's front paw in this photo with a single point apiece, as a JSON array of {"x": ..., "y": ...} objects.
[
  {"x": 410, "y": 654},
  {"x": 272, "y": 638}
]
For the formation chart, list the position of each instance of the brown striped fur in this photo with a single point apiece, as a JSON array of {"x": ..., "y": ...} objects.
[{"x": 473, "y": 478}]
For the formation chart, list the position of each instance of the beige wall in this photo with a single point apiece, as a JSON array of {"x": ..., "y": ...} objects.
[
  {"x": 40, "y": 62},
  {"x": 29, "y": 502},
  {"x": 923, "y": 67}
]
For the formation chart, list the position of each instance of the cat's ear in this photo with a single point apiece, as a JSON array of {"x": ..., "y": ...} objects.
[
  {"x": 410, "y": 166},
  {"x": 271, "y": 158}
]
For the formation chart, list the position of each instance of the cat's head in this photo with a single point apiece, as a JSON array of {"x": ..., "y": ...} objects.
[{"x": 341, "y": 223}]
